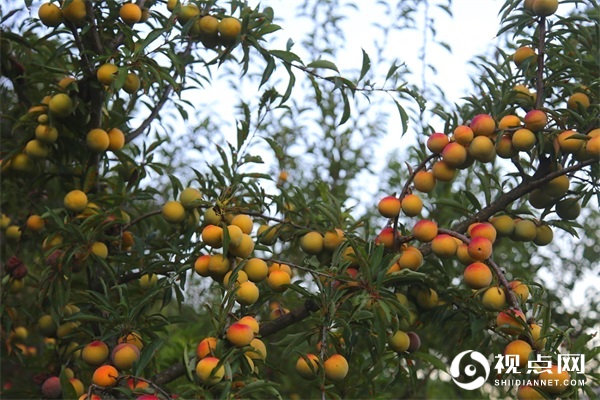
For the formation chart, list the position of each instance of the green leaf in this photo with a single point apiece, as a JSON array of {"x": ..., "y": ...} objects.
[
  {"x": 366, "y": 65},
  {"x": 323, "y": 64},
  {"x": 433, "y": 360},
  {"x": 148, "y": 354}
]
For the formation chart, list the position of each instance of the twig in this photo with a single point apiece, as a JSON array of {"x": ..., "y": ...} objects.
[
  {"x": 539, "y": 84},
  {"x": 300, "y": 267},
  {"x": 149, "y": 382},
  {"x": 140, "y": 218}
]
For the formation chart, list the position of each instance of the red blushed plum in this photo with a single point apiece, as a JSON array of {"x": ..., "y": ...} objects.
[
  {"x": 483, "y": 125},
  {"x": 437, "y": 142}
]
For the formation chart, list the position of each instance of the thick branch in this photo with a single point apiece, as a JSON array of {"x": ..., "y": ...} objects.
[{"x": 521, "y": 190}]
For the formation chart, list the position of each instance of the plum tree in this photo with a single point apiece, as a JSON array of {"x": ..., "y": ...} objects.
[{"x": 154, "y": 246}]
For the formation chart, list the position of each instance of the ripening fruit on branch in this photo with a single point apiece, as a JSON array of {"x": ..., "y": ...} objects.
[
  {"x": 105, "y": 376},
  {"x": 259, "y": 351},
  {"x": 107, "y": 74},
  {"x": 477, "y": 275},
  {"x": 208, "y": 27},
  {"x": 206, "y": 347},
  {"x": 51, "y": 388},
  {"x": 557, "y": 187},
  {"x": 483, "y": 229},
  {"x": 520, "y": 289},
  {"x": 569, "y": 144},
  {"x": 436, "y": 142},
  {"x": 463, "y": 135},
  {"x": 508, "y": 321},
  {"x": 454, "y": 154},
  {"x": 535, "y": 120},
  {"x": 504, "y": 225},
  {"x": 592, "y": 146},
  {"x": 36, "y": 149},
  {"x": 212, "y": 235},
  {"x": 399, "y": 341},
  {"x": 132, "y": 83},
  {"x": 557, "y": 386},
  {"x": 201, "y": 265},
  {"x": 336, "y": 367},
  {"x": 494, "y": 298},
  {"x": 332, "y": 239},
  {"x": 577, "y": 100},
  {"x": 524, "y": 54},
  {"x": 442, "y": 171},
  {"x": 116, "y": 139},
  {"x": 544, "y": 8},
  {"x": 208, "y": 372},
  {"x": 124, "y": 355},
  {"x": 504, "y": 148},
  {"x": 256, "y": 269},
  {"x": 244, "y": 222},
  {"x": 529, "y": 393},
  {"x": 480, "y": 248},
  {"x": 173, "y": 212},
  {"x": 424, "y": 181},
  {"x": 536, "y": 334},
  {"x": 267, "y": 235},
  {"x": 99, "y": 249},
  {"x": 386, "y": 238},
  {"x": 312, "y": 243},
  {"x": 229, "y": 29},
  {"x": 75, "y": 11},
  {"x": 77, "y": 386},
  {"x": 425, "y": 230},
  {"x": 60, "y": 105},
  {"x": 235, "y": 235},
  {"x": 412, "y": 205},
  {"x": 239, "y": 335},
  {"x": 525, "y": 231},
  {"x": 444, "y": 246},
  {"x": 244, "y": 249},
  {"x": 568, "y": 208},
  {"x": 97, "y": 140},
  {"x": 519, "y": 348},
  {"x": 482, "y": 149},
  {"x": 132, "y": 338},
  {"x": 75, "y": 201},
  {"x": 277, "y": 281},
  {"x": 427, "y": 298},
  {"x": 130, "y": 13},
  {"x": 544, "y": 235},
  {"x": 509, "y": 121},
  {"x": 46, "y": 134},
  {"x": 389, "y": 207},
  {"x": 50, "y": 15},
  {"x": 218, "y": 266},
  {"x": 35, "y": 223},
  {"x": 247, "y": 293},
  {"x": 251, "y": 322},
  {"x": 148, "y": 280},
  {"x": 308, "y": 368},
  {"x": 483, "y": 125},
  {"x": 523, "y": 140},
  {"x": 410, "y": 258},
  {"x": 187, "y": 13}
]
